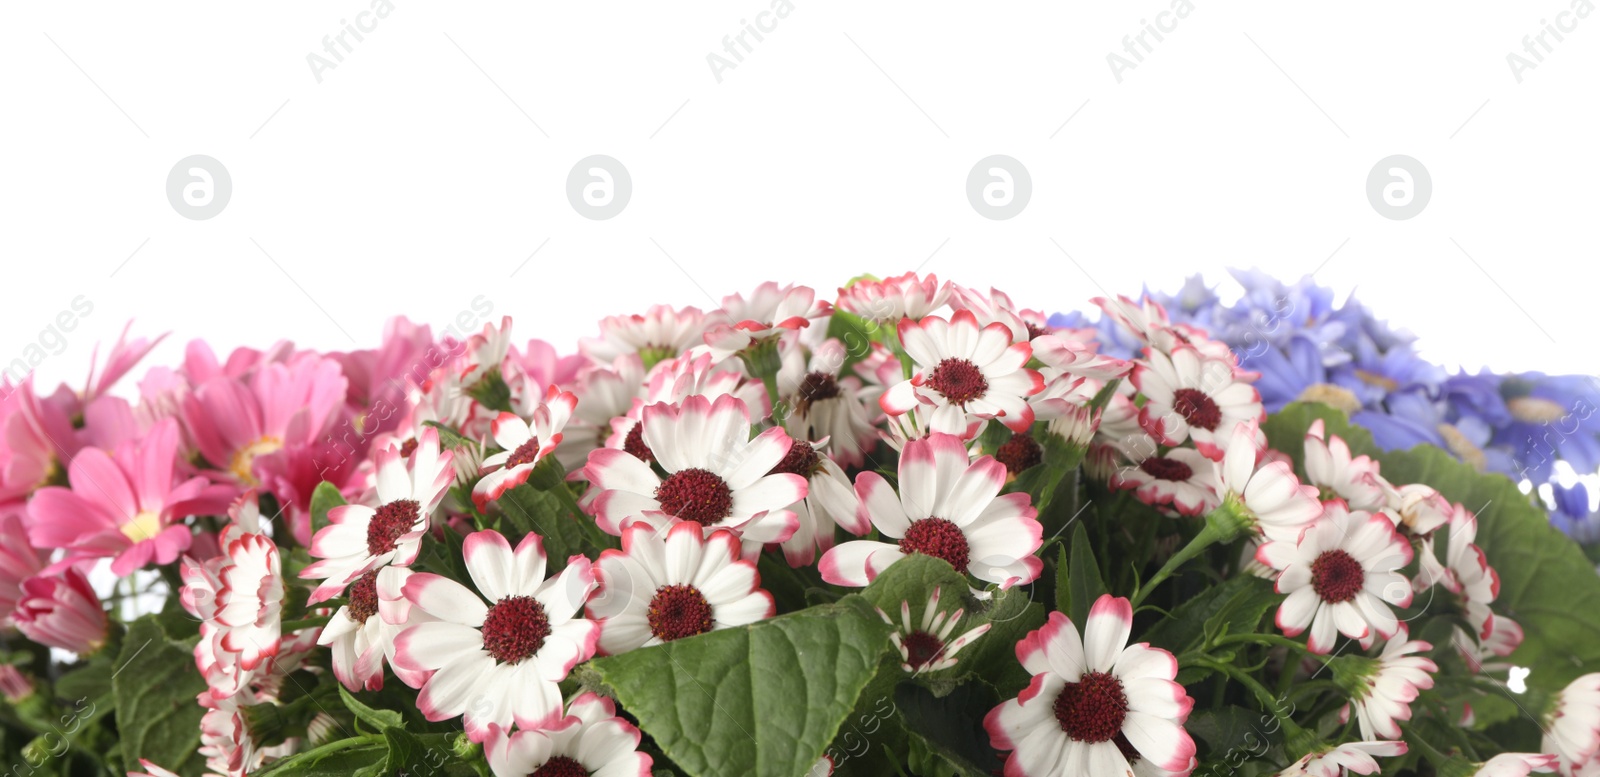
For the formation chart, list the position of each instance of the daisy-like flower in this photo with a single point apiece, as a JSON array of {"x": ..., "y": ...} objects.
[
  {"x": 498, "y": 657},
  {"x": 771, "y": 310},
  {"x": 1193, "y": 396},
  {"x": 1074, "y": 356},
  {"x": 1505, "y": 635},
  {"x": 1330, "y": 467},
  {"x": 127, "y": 506},
  {"x": 240, "y": 425},
  {"x": 1266, "y": 493},
  {"x": 360, "y": 538},
  {"x": 1421, "y": 508},
  {"x": 1385, "y": 692},
  {"x": 1518, "y": 764},
  {"x": 61, "y": 611},
  {"x": 658, "y": 589},
  {"x": 245, "y": 586},
  {"x": 964, "y": 369},
  {"x": 717, "y": 476},
  {"x": 825, "y": 404},
  {"x": 927, "y": 646},
  {"x": 590, "y": 740},
  {"x": 361, "y": 634},
  {"x": 996, "y": 306},
  {"x": 604, "y": 394},
  {"x": 895, "y": 297},
  {"x": 1465, "y": 571},
  {"x": 830, "y": 501},
  {"x": 1182, "y": 480},
  {"x": 486, "y": 351},
  {"x": 1096, "y": 705},
  {"x": 661, "y": 333},
  {"x": 523, "y": 444},
  {"x": 18, "y": 561},
  {"x": 1342, "y": 576},
  {"x": 1572, "y": 726},
  {"x": 1358, "y": 757},
  {"x": 946, "y": 508}
]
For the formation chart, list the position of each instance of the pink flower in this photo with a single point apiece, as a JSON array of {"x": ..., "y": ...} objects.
[
  {"x": 18, "y": 560},
  {"x": 127, "y": 506},
  {"x": 61, "y": 611},
  {"x": 895, "y": 297},
  {"x": 283, "y": 407},
  {"x": 590, "y": 739},
  {"x": 1333, "y": 761},
  {"x": 523, "y": 444},
  {"x": 963, "y": 369},
  {"x": 770, "y": 310},
  {"x": 1341, "y": 578},
  {"x": 1392, "y": 683},
  {"x": 1191, "y": 395}
]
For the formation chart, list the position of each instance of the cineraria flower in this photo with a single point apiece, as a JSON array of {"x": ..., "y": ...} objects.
[
  {"x": 1074, "y": 356},
  {"x": 946, "y": 508},
  {"x": 996, "y": 307},
  {"x": 245, "y": 588},
  {"x": 1505, "y": 635},
  {"x": 1096, "y": 704},
  {"x": 284, "y": 406},
  {"x": 717, "y": 476},
  {"x": 1421, "y": 508},
  {"x": 830, "y": 501},
  {"x": 359, "y": 538},
  {"x": 1518, "y": 765},
  {"x": 927, "y": 647},
  {"x": 1330, "y": 467},
  {"x": 1572, "y": 724},
  {"x": 895, "y": 297},
  {"x": 1332, "y": 761},
  {"x": 963, "y": 369},
  {"x": 659, "y": 589},
  {"x": 827, "y": 405},
  {"x": 1341, "y": 576},
  {"x": 127, "y": 506},
  {"x": 14, "y": 685},
  {"x": 771, "y": 310},
  {"x": 1271, "y": 498},
  {"x": 361, "y": 634},
  {"x": 604, "y": 393},
  {"x": 590, "y": 740},
  {"x": 1189, "y": 395},
  {"x": 486, "y": 351},
  {"x": 1183, "y": 480},
  {"x": 661, "y": 333},
  {"x": 1388, "y": 686},
  {"x": 1465, "y": 571},
  {"x": 18, "y": 562},
  {"x": 523, "y": 444},
  {"x": 500, "y": 661}
]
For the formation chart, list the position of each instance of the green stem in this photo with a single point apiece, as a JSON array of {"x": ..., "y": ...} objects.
[
  {"x": 1196, "y": 546},
  {"x": 1273, "y": 640},
  {"x": 1269, "y": 703}
]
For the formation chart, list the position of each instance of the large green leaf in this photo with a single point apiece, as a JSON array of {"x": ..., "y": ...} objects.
[
  {"x": 324, "y": 498},
  {"x": 531, "y": 510},
  {"x": 1233, "y": 607},
  {"x": 952, "y": 725},
  {"x": 763, "y": 699},
  {"x": 1546, "y": 583},
  {"x": 155, "y": 685},
  {"x": 1084, "y": 584}
]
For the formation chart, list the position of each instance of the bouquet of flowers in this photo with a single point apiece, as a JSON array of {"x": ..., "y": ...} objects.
[{"x": 913, "y": 530}]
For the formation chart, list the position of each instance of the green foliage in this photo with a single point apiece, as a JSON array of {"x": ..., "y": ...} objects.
[
  {"x": 325, "y": 498},
  {"x": 155, "y": 684},
  {"x": 1083, "y": 578}
]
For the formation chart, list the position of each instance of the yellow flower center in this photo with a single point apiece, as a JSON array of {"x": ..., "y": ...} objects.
[
  {"x": 1336, "y": 397},
  {"x": 244, "y": 459},
  {"x": 144, "y": 526},
  {"x": 1462, "y": 447},
  {"x": 1534, "y": 410},
  {"x": 1374, "y": 379}
]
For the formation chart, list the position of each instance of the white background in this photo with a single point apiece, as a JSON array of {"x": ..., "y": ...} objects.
[{"x": 431, "y": 163}]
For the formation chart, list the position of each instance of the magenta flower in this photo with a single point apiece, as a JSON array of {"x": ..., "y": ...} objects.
[{"x": 62, "y": 611}]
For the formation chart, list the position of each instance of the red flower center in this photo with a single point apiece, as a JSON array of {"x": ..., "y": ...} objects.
[
  {"x": 679, "y": 611},
  {"x": 1093, "y": 708},
  {"x": 939, "y": 538},
  {"x": 1163, "y": 468},
  {"x": 1197, "y": 408},
  {"x": 922, "y": 648},
  {"x": 407, "y": 447},
  {"x": 959, "y": 380},
  {"x": 515, "y": 629},
  {"x": 393, "y": 521},
  {"x": 1019, "y": 453},
  {"x": 802, "y": 460},
  {"x": 524, "y": 454},
  {"x": 1034, "y": 330},
  {"x": 560, "y": 766},
  {"x": 634, "y": 445},
  {"x": 1337, "y": 577},
  {"x": 364, "y": 597},
  {"x": 695, "y": 495},
  {"x": 816, "y": 387}
]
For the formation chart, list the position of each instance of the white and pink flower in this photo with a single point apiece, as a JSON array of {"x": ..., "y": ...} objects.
[
  {"x": 1518, "y": 765},
  {"x": 926, "y": 646},
  {"x": 1189, "y": 395},
  {"x": 830, "y": 501},
  {"x": 662, "y": 332},
  {"x": 498, "y": 656},
  {"x": 523, "y": 444},
  {"x": 1572, "y": 726},
  {"x": 947, "y": 508},
  {"x": 1181, "y": 480},
  {"x": 1358, "y": 757},
  {"x": 1386, "y": 692},
  {"x": 659, "y": 589},
  {"x": 590, "y": 740},
  {"x": 771, "y": 310},
  {"x": 1096, "y": 703},
  {"x": 360, "y": 538},
  {"x": 361, "y": 635},
  {"x": 1341, "y": 577},
  {"x": 963, "y": 369},
  {"x": 1329, "y": 466},
  {"x": 1274, "y": 502},
  {"x": 895, "y": 297},
  {"x": 61, "y": 610}
]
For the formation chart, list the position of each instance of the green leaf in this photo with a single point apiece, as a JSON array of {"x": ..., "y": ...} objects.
[
  {"x": 1233, "y": 607},
  {"x": 763, "y": 699},
  {"x": 1230, "y": 735},
  {"x": 912, "y": 579},
  {"x": 450, "y": 438},
  {"x": 530, "y": 510},
  {"x": 491, "y": 391},
  {"x": 1546, "y": 583},
  {"x": 155, "y": 685},
  {"x": 1063, "y": 581},
  {"x": 380, "y": 720},
  {"x": 325, "y": 498},
  {"x": 340, "y": 758},
  {"x": 1083, "y": 578},
  {"x": 1010, "y": 615},
  {"x": 855, "y": 333},
  {"x": 952, "y": 726}
]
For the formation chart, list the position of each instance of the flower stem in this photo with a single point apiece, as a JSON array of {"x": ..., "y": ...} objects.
[{"x": 1201, "y": 541}]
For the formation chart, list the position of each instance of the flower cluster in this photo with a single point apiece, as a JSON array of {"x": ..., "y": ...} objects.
[{"x": 698, "y": 543}]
